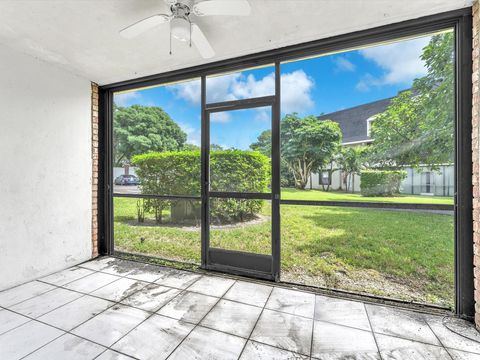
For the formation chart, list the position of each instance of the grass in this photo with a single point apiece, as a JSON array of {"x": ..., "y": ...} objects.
[
  {"x": 349, "y": 248},
  {"x": 295, "y": 194}
]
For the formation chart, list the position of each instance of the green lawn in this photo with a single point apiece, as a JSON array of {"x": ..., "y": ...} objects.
[
  {"x": 295, "y": 194},
  {"x": 407, "y": 255}
]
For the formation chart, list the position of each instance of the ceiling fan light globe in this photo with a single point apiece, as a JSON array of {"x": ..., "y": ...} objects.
[{"x": 180, "y": 29}]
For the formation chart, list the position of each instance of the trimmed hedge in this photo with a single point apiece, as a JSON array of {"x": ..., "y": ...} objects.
[
  {"x": 178, "y": 173},
  {"x": 381, "y": 182}
]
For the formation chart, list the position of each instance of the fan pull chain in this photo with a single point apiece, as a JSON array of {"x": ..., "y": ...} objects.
[
  {"x": 170, "y": 40},
  {"x": 190, "y": 33}
]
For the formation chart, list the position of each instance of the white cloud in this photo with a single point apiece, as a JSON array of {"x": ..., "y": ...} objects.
[
  {"x": 400, "y": 61},
  {"x": 295, "y": 94},
  {"x": 367, "y": 81},
  {"x": 251, "y": 87},
  {"x": 343, "y": 64},
  {"x": 193, "y": 134},
  {"x": 263, "y": 115},
  {"x": 220, "y": 117},
  {"x": 123, "y": 98},
  {"x": 189, "y": 91},
  {"x": 220, "y": 88}
]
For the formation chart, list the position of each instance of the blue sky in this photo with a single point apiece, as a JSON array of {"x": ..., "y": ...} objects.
[{"x": 309, "y": 87}]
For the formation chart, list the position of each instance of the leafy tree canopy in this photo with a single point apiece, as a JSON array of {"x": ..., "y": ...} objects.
[
  {"x": 418, "y": 126},
  {"x": 263, "y": 143},
  {"x": 141, "y": 129},
  {"x": 308, "y": 144},
  {"x": 190, "y": 147},
  {"x": 350, "y": 161}
]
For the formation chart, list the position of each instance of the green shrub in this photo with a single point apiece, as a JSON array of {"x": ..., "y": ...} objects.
[
  {"x": 381, "y": 182},
  {"x": 178, "y": 173}
]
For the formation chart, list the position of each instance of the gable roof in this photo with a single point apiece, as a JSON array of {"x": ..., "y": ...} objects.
[{"x": 353, "y": 121}]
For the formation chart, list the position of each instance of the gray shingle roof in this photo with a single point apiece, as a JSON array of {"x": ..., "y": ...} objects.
[{"x": 353, "y": 121}]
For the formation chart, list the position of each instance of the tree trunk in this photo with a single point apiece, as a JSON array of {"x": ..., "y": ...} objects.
[
  {"x": 158, "y": 215},
  {"x": 300, "y": 174}
]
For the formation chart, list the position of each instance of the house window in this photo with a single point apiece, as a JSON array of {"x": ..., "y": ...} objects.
[
  {"x": 369, "y": 124},
  {"x": 325, "y": 178}
]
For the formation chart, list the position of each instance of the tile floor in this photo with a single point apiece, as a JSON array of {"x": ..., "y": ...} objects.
[{"x": 116, "y": 309}]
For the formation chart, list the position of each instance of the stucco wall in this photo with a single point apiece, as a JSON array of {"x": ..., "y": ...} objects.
[{"x": 45, "y": 182}]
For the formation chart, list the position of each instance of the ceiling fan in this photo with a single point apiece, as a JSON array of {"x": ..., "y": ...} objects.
[{"x": 181, "y": 25}]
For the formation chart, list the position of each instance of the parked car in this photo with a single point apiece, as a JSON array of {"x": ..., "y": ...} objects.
[{"x": 127, "y": 180}]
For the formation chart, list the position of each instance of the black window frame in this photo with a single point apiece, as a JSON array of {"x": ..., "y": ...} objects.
[{"x": 460, "y": 20}]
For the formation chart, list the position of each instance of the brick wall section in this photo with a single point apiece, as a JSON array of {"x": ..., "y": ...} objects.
[
  {"x": 94, "y": 170},
  {"x": 475, "y": 155}
]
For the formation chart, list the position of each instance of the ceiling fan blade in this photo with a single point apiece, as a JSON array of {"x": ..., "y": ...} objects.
[
  {"x": 222, "y": 7},
  {"x": 201, "y": 42},
  {"x": 143, "y": 25}
]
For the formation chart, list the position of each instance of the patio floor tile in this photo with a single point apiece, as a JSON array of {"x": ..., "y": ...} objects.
[
  {"x": 337, "y": 341},
  {"x": 153, "y": 314},
  {"x": 405, "y": 324},
  {"x": 188, "y": 306},
  {"x": 249, "y": 293},
  {"x": 46, "y": 302},
  {"x": 9, "y": 320},
  {"x": 401, "y": 349},
  {"x": 154, "y": 339},
  {"x": 73, "y": 314},
  {"x": 120, "y": 267},
  {"x": 109, "y": 326},
  {"x": 113, "y": 355},
  {"x": 67, "y": 347},
  {"x": 64, "y": 277},
  {"x": 147, "y": 273},
  {"x": 23, "y": 292},
  {"x": 285, "y": 331},
  {"x": 452, "y": 339},
  {"x": 292, "y": 302},
  {"x": 233, "y": 318},
  {"x": 212, "y": 285},
  {"x": 152, "y": 297},
  {"x": 220, "y": 346},
  {"x": 92, "y": 282},
  {"x": 342, "y": 312},
  {"x": 463, "y": 355},
  {"x": 25, "y": 339},
  {"x": 254, "y": 351},
  {"x": 119, "y": 290},
  {"x": 98, "y": 264},
  {"x": 177, "y": 278}
]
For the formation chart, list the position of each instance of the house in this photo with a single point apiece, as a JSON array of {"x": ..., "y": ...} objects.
[{"x": 355, "y": 123}]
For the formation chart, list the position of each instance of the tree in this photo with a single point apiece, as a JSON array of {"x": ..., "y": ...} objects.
[
  {"x": 216, "y": 147},
  {"x": 264, "y": 146},
  {"x": 308, "y": 144},
  {"x": 263, "y": 143},
  {"x": 140, "y": 129},
  {"x": 418, "y": 126},
  {"x": 190, "y": 147},
  {"x": 349, "y": 161}
]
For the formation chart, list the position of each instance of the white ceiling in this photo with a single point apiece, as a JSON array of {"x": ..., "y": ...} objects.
[{"x": 82, "y": 35}]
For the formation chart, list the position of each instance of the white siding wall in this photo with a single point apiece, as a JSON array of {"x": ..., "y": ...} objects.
[
  {"x": 441, "y": 181},
  {"x": 45, "y": 147}
]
